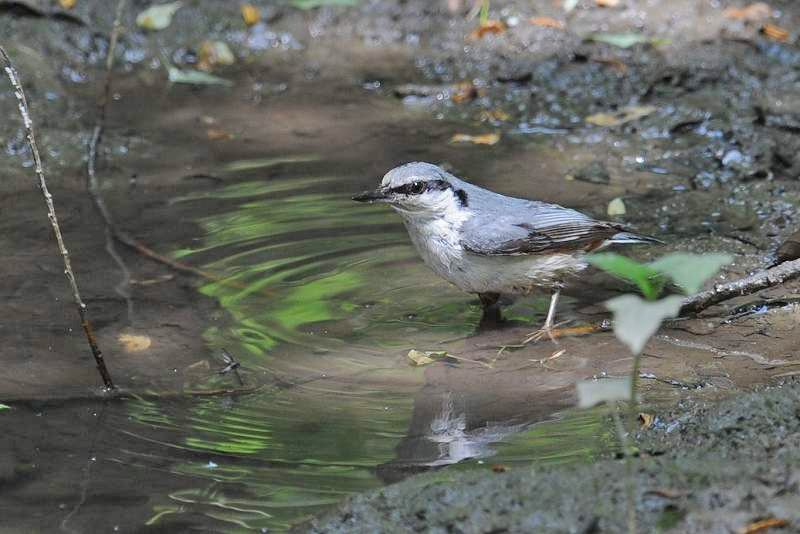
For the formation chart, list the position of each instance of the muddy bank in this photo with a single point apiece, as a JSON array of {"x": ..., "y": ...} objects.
[{"x": 703, "y": 468}]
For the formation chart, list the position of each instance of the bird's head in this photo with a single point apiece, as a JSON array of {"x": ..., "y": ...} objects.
[{"x": 419, "y": 189}]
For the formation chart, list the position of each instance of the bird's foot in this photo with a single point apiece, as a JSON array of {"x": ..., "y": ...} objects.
[
  {"x": 551, "y": 331},
  {"x": 555, "y": 332},
  {"x": 491, "y": 319}
]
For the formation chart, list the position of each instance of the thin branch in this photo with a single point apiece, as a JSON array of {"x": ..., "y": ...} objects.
[
  {"x": 51, "y": 215},
  {"x": 743, "y": 286}
]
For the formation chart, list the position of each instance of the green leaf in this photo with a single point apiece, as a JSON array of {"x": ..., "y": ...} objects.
[
  {"x": 4, "y": 406},
  {"x": 625, "y": 40},
  {"x": 594, "y": 392},
  {"x": 483, "y": 18},
  {"x": 195, "y": 77},
  {"x": 311, "y": 4},
  {"x": 690, "y": 271},
  {"x": 648, "y": 279},
  {"x": 157, "y": 17},
  {"x": 636, "y": 320}
]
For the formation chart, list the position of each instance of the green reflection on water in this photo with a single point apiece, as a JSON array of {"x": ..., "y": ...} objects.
[
  {"x": 320, "y": 289},
  {"x": 269, "y": 461},
  {"x": 574, "y": 436}
]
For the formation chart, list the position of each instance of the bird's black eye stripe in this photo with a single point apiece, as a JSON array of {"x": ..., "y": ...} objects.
[
  {"x": 412, "y": 188},
  {"x": 419, "y": 187}
]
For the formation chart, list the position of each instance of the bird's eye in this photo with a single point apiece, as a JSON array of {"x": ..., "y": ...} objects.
[{"x": 416, "y": 188}]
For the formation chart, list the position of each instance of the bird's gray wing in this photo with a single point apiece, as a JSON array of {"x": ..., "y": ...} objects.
[{"x": 544, "y": 228}]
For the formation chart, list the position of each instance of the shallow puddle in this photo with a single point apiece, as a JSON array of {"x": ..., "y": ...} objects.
[
  {"x": 320, "y": 299},
  {"x": 326, "y": 297},
  {"x": 323, "y": 299}
]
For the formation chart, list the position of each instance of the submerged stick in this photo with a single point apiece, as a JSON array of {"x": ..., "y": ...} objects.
[
  {"x": 743, "y": 286},
  {"x": 123, "y": 289},
  {"x": 92, "y": 184},
  {"x": 22, "y": 103}
]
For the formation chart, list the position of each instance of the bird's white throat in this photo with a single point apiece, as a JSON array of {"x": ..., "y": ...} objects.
[{"x": 435, "y": 232}]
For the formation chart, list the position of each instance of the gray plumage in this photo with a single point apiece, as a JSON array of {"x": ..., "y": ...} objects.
[{"x": 488, "y": 243}]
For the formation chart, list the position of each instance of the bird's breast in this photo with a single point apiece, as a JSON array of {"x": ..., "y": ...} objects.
[{"x": 438, "y": 243}]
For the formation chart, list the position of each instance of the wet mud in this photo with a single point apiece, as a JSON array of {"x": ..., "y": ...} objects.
[
  {"x": 321, "y": 299},
  {"x": 712, "y": 468}
]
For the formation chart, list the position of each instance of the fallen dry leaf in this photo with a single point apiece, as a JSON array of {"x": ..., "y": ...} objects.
[
  {"x": 776, "y": 33},
  {"x": 494, "y": 115},
  {"x": 158, "y": 17},
  {"x": 613, "y": 63},
  {"x": 757, "y": 11},
  {"x": 616, "y": 207},
  {"x": 420, "y": 358},
  {"x": 250, "y": 14},
  {"x": 134, "y": 342},
  {"x": 67, "y": 4},
  {"x": 213, "y": 53},
  {"x": 483, "y": 139},
  {"x": 490, "y": 26},
  {"x": 625, "y": 40},
  {"x": 762, "y": 525},
  {"x": 218, "y": 134},
  {"x": 194, "y": 76},
  {"x": 547, "y": 22},
  {"x": 626, "y": 114},
  {"x": 465, "y": 91},
  {"x": 607, "y": 3},
  {"x": 646, "y": 420}
]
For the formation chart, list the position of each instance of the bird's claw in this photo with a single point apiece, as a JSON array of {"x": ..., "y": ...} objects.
[{"x": 550, "y": 331}]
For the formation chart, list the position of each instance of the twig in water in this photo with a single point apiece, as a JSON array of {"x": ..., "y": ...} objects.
[
  {"x": 87, "y": 471},
  {"x": 94, "y": 192},
  {"x": 743, "y": 286},
  {"x": 123, "y": 289},
  {"x": 51, "y": 215}
]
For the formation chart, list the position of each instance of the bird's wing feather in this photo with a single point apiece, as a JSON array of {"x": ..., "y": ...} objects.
[{"x": 538, "y": 229}]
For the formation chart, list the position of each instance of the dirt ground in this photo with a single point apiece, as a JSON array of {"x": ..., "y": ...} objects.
[{"x": 713, "y": 166}]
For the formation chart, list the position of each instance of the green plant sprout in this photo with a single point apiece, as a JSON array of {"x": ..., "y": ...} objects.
[
  {"x": 483, "y": 17},
  {"x": 636, "y": 319}
]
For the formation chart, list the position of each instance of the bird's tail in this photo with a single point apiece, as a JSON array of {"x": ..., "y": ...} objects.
[{"x": 629, "y": 238}]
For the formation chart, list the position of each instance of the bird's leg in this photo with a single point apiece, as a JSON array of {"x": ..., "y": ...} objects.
[
  {"x": 490, "y": 310},
  {"x": 551, "y": 313},
  {"x": 488, "y": 299},
  {"x": 547, "y": 329}
]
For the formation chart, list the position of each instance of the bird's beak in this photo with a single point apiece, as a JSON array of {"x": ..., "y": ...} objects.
[{"x": 379, "y": 195}]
